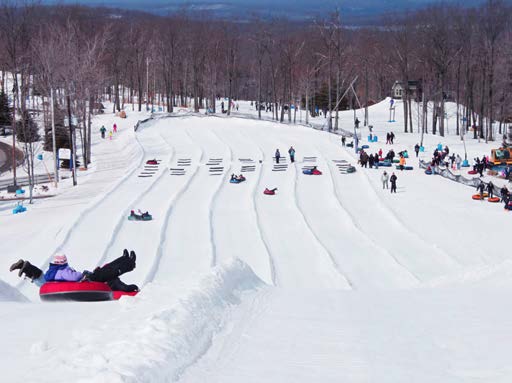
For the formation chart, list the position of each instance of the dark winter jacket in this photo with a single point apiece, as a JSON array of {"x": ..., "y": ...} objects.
[{"x": 393, "y": 179}]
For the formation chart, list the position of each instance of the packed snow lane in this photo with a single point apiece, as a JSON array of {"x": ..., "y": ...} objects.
[
  {"x": 299, "y": 258},
  {"x": 145, "y": 237},
  {"x": 368, "y": 205},
  {"x": 235, "y": 208},
  {"x": 188, "y": 246}
]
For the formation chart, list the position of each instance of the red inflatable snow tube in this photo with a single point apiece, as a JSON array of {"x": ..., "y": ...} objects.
[
  {"x": 269, "y": 192},
  {"x": 79, "y": 291},
  {"x": 152, "y": 162},
  {"x": 472, "y": 172}
]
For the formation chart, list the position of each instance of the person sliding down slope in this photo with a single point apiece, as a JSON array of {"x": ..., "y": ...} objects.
[{"x": 60, "y": 271}]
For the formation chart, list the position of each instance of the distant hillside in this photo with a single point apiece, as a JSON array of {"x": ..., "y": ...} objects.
[{"x": 354, "y": 12}]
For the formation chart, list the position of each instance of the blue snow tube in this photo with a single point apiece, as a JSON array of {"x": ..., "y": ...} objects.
[
  {"x": 384, "y": 163},
  {"x": 429, "y": 172},
  {"x": 235, "y": 181},
  {"x": 351, "y": 169},
  {"x": 407, "y": 167},
  {"x": 308, "y": 171},
  {"x": 365, "y": 146}
]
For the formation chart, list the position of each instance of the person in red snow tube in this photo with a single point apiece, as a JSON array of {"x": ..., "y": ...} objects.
[
  {"x": 152, "y": 162},
  {"x": 268, "y": 191},
  {"x": 60, "y": 271}
]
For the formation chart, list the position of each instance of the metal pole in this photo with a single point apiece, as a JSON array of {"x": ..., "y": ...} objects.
[
  {"x": 14, "y": 133},
  {"x": 54, "y": 142},
  {"x": 147, "y": 83}
]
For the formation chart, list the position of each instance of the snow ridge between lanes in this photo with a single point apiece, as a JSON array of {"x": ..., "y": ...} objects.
[{"x": 162, "y": 345}]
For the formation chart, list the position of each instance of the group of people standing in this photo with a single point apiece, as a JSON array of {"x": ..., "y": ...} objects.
[
  {"x": 390, "y": 137},
  {"x": 103, "y": 131},
  {"x": 291, "y": 153}
]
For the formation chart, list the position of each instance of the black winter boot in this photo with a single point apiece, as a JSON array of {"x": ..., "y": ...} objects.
[
  {"x": 16, "y": 265},
  {"x": 118, "y": 285},
  {"x": 113, "y": 269},
  {"x": 32, "y": 272}
]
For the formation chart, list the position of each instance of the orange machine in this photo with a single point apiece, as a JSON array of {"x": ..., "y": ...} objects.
[{"x": 501, "y": 156}]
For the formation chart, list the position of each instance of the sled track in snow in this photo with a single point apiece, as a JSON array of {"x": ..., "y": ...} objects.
[
  {"x": 123, "y": 216},
  {"x": 384, "y": 206},
  {"x": 163, "y": 232},
  {"x": 315, "y": 236},
  {"x": 95, "y": 203},
  {"x": 336, "y": 194},
  {"x": 214, "y": 197}
]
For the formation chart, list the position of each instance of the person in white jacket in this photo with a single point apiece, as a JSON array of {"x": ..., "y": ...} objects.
[{"x": 384, "y": 179}]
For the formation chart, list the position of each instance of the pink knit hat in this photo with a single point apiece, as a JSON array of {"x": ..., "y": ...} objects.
[{"x": 59, "y": 259}]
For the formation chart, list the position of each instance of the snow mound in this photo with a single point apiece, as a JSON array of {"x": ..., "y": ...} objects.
[
  {"x": 159, "y": 346},
  {"x": 9, "y": 293}
]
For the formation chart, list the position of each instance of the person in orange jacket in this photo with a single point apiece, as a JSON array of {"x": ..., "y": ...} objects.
[{"x": 402, "y": 162}]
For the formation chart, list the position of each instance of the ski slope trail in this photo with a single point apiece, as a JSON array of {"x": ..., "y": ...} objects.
[
  {"x": 74, "y": 202},
  {"x": 365, "y": 264},
  {"x": 144, "y": 237},
  {"x": 298, "y": 264},
  {"x": 235, "y": 205},
  {"x": 188, "y": 245},
  {"x": 101, "y": 229},
  {"x": 368, "y": 207}
]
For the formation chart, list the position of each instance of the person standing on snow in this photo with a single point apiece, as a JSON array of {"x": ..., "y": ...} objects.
[
  {"x": 393, "y": 183},
  {"x": 343, "y": 139},
  {"x": 384, "y": 179},
  {"x": 391, "y": 137},
  {"x": 481, "y": 188},
  {"x": 115, "y": 127},
  {"x": 490, "y": 189},
  {"x": 277, "y": 155},
  {"x": 103, "y": 130},
  {"x": 110, "y": 135},
  {"x": 417, "y": 149},
  {"x": 291, "y": 152},
  {"x": 458, "y": 161}
]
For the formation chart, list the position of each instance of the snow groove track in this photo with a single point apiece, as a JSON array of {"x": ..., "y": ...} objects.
[
  {"x": 371, "y": 215},
  {"x": 289, "y": 234},
  {"x": 179, "y": 189},
  {"x": 104, "y": 236},
  {"x": 235, "y": 204},
  {"x": 86, "y": 221},
  {"x": 188, "y": 247}
]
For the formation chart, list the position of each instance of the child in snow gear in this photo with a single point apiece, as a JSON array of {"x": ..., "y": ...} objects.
[
  {"x": 277, "y": 155},
  {"x": 291, "y": 152},
  {"x": 393, "y": 182},
  {"x": 115, "y": 127},
  {"x": 60, "y": 271}
]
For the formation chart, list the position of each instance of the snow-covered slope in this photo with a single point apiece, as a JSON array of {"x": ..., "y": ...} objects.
[{"x": 332, "y": 279}]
